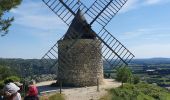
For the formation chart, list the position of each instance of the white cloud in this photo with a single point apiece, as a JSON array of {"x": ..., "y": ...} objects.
[
  {"x": 40, "y": 22},
  {"x": 148, "y": 42},
  {"x": 36, "y": 28},
  {"x": 131, "y": 4},
  {"x": 134, "y": 4},
  {"x": 151, "y": 2},
  {"x": 147, "y": 33},
  {"x": 155, "y": 2},
  {"x": 36, "y": 15}
]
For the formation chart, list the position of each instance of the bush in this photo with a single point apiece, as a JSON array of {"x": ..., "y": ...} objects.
[
  {"x": 7, "y": 80},
  {"x": 136, "y": 79},
  {"x": 12, "y": 79},
  {"x": 138, "y": 92},
  {"x": 124, "y": 75}
]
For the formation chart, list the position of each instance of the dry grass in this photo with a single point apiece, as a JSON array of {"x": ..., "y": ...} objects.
[{"x": 53, "y": 97}]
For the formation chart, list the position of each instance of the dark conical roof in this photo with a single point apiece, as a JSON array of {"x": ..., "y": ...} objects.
[{"x": 79, "y": 26}]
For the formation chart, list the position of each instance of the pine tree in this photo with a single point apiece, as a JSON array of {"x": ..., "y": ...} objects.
[{"x": 5, "y": 7}]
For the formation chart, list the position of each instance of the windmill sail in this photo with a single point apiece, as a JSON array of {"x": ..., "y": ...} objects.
[
  {"x": 79, "y": 25},
  {"x": 101, "y": 11},
  {"x": 65, "y": 9}
]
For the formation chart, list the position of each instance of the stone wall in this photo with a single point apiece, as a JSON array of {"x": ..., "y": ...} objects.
[{"x": 82, "y": 65}]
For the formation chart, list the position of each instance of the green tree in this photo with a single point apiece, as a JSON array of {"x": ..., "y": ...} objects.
[
  {"x": 124, "y": 75},
  {"x": 5, "y": 72},
  {"x": 5, "y": 7}
]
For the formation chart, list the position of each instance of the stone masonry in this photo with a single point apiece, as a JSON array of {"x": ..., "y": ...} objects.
[{"x": 82, "y": 65}]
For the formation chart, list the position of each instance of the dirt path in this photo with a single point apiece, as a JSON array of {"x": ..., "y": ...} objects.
[
  {"x": 90, "y": 93},
  {"x": 45, "y": 83},
  {"x": 84, "y": 93}
]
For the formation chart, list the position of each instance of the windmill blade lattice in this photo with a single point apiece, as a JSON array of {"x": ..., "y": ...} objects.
[
  {"x": 65, "y": 9},
  {"x": 113, "y": 49},
  {"x": 51, "y": 58},
  {"x": 102, "y": 11}
]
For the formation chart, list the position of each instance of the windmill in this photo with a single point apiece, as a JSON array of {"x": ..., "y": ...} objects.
[{"x": 99, "y": 14}]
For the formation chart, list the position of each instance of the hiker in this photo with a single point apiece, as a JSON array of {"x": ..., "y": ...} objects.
[
  {"x": 32, "y": 92},
  {"x": 11, "y": 92}
]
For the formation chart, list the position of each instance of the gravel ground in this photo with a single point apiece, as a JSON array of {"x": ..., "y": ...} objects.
[
  {"x": 90, "y": 93},
  {"x": 84, "y": 93}
]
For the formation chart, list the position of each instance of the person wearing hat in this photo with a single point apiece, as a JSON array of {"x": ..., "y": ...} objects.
[
  {"x": 11, "y": 92},
  {"x": 32, "y": 92}
]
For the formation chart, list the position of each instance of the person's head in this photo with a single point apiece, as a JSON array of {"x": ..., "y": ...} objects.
[
  {"x": 10, "y": 89},
  {"x": 32, "y": 82}
]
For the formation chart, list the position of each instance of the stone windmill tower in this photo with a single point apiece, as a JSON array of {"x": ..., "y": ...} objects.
[
  {"x": 80, "y": 53},
  {"x": 86, "y": 65}
]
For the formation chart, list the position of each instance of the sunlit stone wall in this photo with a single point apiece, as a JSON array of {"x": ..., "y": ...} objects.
[{"x": 82, "y": 65}]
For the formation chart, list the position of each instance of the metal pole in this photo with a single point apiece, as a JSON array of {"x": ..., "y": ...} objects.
[
  {"x": 97, "y": 84},
  {"x": 60, "y": 86}
]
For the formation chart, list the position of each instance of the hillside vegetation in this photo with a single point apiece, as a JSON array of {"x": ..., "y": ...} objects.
[
  {"x": 141, "y": 91},
  {"x": 27, "y": 69}
]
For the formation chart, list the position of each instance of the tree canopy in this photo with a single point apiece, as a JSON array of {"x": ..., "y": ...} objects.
[
  {"x": 5, "y": 72},
  {"x": 123, "y": 75},
  {"x": 5, "y": 7}
]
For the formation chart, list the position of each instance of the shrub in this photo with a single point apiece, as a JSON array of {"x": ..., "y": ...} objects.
[
  {"x": 123, "y": 75},
  {"x": 12, "y": 79},
  {"x": 136, "y": 79},
  {"x": 141, "y": 91}
]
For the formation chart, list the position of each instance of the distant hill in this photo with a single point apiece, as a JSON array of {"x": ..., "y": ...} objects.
[
  {"x": 144, "y": 62},
  {"x": 27, "y": 67},
  {"x": 151, "y": 61}
]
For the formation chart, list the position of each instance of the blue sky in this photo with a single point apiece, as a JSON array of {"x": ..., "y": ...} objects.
[{"x": 143, "y": 26}]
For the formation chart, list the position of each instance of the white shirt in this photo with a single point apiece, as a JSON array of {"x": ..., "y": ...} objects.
[{"x": 17, "y": 97}]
